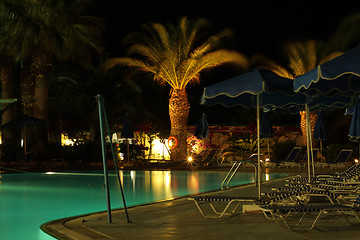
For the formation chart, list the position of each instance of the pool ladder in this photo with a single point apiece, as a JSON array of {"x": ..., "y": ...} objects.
[{"x": 230, "y": 175}]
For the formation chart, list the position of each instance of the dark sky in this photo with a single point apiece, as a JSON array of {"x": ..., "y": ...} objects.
[{"x": 259, "y": 28}]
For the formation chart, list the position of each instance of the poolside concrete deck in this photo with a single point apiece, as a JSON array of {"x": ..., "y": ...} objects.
[{"x": 180, "y": 219}]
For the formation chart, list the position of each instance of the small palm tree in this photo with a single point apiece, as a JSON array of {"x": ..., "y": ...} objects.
[
  {"x": 174, "y": 56},
  {"x": 301, "y": 57}
]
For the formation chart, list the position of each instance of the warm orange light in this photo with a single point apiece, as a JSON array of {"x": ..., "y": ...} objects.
[{"x": 190, "y": 159}]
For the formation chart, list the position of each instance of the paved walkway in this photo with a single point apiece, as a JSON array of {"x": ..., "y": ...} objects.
[{"x": 180, "y": 219}]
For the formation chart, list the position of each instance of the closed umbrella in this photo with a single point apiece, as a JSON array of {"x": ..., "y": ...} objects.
[
  {"x": 127, "y": 129},
  {"x": 319, "y": 131},
  {"x": 202, "y": 128},
  {"x": 127, "y": 132}
]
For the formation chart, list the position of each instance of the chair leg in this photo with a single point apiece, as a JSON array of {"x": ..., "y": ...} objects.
[
  {"x": 224, "y": 212},
  {"x": 356, "y": 216},
  {"x": 217, "y": 214}
]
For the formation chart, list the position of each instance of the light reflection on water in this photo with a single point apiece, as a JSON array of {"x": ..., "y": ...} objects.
[{"x": 28, "y": 200}]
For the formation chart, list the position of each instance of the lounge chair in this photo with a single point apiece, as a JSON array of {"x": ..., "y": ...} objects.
[
  {"x": 227, "y": 205},
  {"x": 225, "y": 201},
  {"x": 350, "y": 174},
  {"x": 341, "y": 158},
  {"x": 291, "y": 158},
  {"x": 288, "y": 213},
  {"x": 315, "y": 153}
]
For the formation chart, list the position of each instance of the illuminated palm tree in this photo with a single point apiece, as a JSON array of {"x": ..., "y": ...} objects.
[
  {"x": 347, "y": 34},
  {"x": 174, "y": 55},
  {"x": 301, "y": 57}
]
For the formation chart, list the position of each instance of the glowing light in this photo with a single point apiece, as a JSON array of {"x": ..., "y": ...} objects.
[
  {"x": 132, "y": 175},
  {"x": 49, "y": 173},
  {"x": 267, "y": 160},
  {"x": 65, "y": 141},
  {"x": 356, "y": 160},
  {"x": 190, "y": 159},
  {"x": 267, "y": 177},
  {"x": 159, "y": 150}
]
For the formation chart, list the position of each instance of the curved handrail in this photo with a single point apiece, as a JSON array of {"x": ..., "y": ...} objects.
[{"x": 230, "y": 175}]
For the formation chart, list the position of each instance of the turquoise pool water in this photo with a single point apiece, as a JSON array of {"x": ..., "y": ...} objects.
[{"x": 29, "y": 200}]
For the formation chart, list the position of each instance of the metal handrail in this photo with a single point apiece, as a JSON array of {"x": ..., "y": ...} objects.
[{"x": 230, "y": 175}]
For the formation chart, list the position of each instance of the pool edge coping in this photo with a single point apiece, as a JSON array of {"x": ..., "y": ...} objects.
[{"x": 60, "y": 231}]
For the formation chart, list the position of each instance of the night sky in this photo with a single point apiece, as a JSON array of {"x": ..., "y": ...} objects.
[{"x": 260, "y": 28}]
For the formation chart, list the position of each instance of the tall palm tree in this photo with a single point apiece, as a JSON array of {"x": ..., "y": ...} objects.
[
  {"x": 301, "y": 57},
  {"x": 39, "y": 32},
  {"x": 42, "y": 31},
  {"x": 175, "y": 55}
]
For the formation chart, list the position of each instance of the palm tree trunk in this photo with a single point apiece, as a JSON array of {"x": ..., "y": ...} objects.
[
  {"x": 7, "y": 92},
  {"x": 313, "y": 118},
  {"x": 27, "y": 89},
  {"x": 7, "y": 89},
  {"x": 40, "y": 69},
  {"x": 179, "y": 112}
]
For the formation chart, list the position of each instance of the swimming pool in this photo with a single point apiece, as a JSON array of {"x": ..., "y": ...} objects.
[{"x": 29, "y": 200}]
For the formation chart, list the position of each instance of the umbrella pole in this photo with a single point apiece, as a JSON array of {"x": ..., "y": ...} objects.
[
  {"x": 106, "y": 177},
  {"x": 311, "y": 152},
  {"x": 258, "y": 141},
  {"x": 116, "y": 166},
  {"x": 308, "y": 139}
]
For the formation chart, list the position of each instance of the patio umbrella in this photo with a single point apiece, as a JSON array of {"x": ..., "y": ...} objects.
[
  {"x": 339, "y": 75},
  {"x": 319, "y": 131},
  {"x": 266, "y": 130},
  {"x": 256, "y": 88},
  {"x": 260, "y": 88},
  {"x": 127, "y": 132},
  {"x": 24, "y": 121},
  {"x": 202, "y": 128},
  {"x": 354, "y": 130}
]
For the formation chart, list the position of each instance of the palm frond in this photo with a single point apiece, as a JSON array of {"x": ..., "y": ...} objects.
[
  {"x": 261, "y": 61},
  {"x": 172, "y": 53},
  {"x": 193, "y": 67},
  {"x": 144, "y": 66}
]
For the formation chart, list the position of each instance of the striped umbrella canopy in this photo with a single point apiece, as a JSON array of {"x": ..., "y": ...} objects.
[{"x": 339, "y": 75}]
